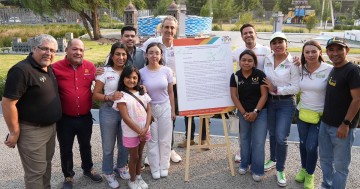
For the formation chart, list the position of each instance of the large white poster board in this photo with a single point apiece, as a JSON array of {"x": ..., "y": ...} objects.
[{"x": 203, "y": 70}]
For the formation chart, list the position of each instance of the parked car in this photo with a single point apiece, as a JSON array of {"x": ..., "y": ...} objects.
[{"x": 14, "y": 20}]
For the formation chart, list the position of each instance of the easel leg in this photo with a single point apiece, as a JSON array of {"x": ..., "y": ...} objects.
[
  {"x": 227, "y": 144},
  {"x": 187, "y": 166},
  {"x": 200, "y": 131}
]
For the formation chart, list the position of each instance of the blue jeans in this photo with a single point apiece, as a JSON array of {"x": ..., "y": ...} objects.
[
  {"x": 308, "y": 134},
  {"x": 279, "y": 115},
  {"x": 110, "y": 127},
  {"x": 335, "y": 156},
  {"x": 252, "y": 137}
]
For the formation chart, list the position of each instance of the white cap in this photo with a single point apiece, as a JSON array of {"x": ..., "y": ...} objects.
[{"x": 278, "y": 35}]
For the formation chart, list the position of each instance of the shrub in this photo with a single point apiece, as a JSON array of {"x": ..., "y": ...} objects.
[
  {"x": 2, "y": 85},
  {"x": 216, "y": 28}
]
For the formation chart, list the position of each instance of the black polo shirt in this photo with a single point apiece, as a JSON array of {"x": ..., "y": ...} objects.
[
  {"x": 249, "y": 88},
  {"x": 36, "y": 90}
]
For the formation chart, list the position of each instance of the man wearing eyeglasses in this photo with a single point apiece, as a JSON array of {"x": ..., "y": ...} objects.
[
  {"x": 31, "y": 107},
  {"x": 75, "y": 76}
]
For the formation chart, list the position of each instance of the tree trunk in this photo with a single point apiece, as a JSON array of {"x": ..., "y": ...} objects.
[
  {"x": 95, "y": 22},
  {"x": 86, "y": 25}
]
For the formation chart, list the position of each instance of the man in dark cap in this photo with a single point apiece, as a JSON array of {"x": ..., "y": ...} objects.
[{"x": 341, "y": 116}]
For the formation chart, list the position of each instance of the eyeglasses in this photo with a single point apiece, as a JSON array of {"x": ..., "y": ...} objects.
[{"x": 45, "y": 49}]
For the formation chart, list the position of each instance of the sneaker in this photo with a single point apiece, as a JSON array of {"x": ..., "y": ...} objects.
[
  {"x": 256, "y": 178},
  {"x": 269, "y": 165},
  {"x": 155, "y": 175},
  {"x": 300, "y": 176},
  {"x": 242, "y": 171},
  {"x": 204, "y": 142},
  {"x": 175, "y": 157},
  {"x": 146, "y": 161},
  {"x": 93, "y": 176},
  {"x": 164, "y": 172},
  {"x": 133, "y": 185},
  {"x": 140, "y": 181},
  {"x": 237, "y": 157},
  {"x": 68, "y": 183},
  {"x": 281, "y": 179},
  {"x": 184, "y": 143},
  {"x": 309, "y": 181},
  {"x": 122, "y": 173},
  {"x": 113, "y": 183}
]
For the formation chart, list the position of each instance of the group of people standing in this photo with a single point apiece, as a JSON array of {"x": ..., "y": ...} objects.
[
  {"x": 264, "y": 92},
  {"x": 137, "y": 88}
]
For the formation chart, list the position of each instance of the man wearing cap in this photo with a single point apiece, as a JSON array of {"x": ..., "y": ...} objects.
[{"x": 341, "y": 116}]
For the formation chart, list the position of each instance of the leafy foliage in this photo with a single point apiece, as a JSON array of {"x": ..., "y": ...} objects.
[{"x": 310, "y": 22}]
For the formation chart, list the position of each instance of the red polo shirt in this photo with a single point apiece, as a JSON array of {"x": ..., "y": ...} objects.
[{"x": 75, "y": 86}]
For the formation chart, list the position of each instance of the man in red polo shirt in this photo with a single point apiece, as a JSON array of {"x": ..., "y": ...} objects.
[{"x": 75, "y": 76}]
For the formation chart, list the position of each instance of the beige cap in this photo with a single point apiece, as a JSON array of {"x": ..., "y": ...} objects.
[{"x": 278, "y": 35}]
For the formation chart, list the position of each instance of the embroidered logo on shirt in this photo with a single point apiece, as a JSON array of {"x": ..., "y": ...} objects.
[
  {"x": 42, "y": 79},
  {"x": 87, "y": 72},
  {"x": 110, "y": 78},
  {"x": 332, "y": 82},
  {"x": 255, "y": 80}
]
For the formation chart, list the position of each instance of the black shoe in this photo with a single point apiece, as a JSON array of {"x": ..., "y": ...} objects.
[
  {"x": 93, "y": 176},
  {"x": 68, "y": 183}
]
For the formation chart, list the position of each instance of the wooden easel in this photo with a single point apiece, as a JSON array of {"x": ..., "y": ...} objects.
[{"x": 208, "y": 145}]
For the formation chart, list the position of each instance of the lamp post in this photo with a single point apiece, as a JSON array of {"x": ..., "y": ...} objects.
[{"x": 110, "y": 12}]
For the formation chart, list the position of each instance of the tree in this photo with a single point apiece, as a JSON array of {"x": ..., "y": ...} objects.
[
  {"x": 245, "y": 17},
  {"x": 224, "y": 10},
  {"x": 87, "y": 10},
  {"x": 356, "y": 10},
  {"x": 205, "y": 10},
  {"x": 161, "y": 7},
  {"x": 282, "y": 5},
  {"x": 310, "y": 22},
  {"x": 193, "y": 7}
]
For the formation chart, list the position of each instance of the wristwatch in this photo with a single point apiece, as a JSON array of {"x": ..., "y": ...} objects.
[
  {"x": 256, "y": 111},
  {"x": 346, "y": 122}
]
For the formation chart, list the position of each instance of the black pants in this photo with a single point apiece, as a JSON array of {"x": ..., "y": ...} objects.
[
  {"x": 203, "y": 134},
  {"x": 67, "y": 128}
]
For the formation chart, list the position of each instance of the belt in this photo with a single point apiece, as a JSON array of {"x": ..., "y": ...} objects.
[
  {"x": 279, "y": 97},
  {"x": 34, "y": 124}
]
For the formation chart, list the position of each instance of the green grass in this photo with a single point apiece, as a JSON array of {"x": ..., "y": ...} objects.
[{"x": 94, "y": 52}]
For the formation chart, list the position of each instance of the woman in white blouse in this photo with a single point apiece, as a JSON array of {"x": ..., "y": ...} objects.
[{"x": 283, "y": 84}]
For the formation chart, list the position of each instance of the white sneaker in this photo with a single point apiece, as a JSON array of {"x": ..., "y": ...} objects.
[
  {"x": 175, "y": 157},
  {"x": 256, "y": 178},
  {"x": 113, "y": 183},
  {"x": 133, "y": 185},
  {"x": 281, "y": 179},
  {"x": 155, "y": 175},
  {"x": 242, "y": 171},
  {"x": 122, "y": 173},
  {"x": 164, "y": 173},
  {"x": 237, "y": 157},
  {"x": 269, "y": 165},
  {"x": 140, "y": 181},
  {"x": 146, "y": 161}
]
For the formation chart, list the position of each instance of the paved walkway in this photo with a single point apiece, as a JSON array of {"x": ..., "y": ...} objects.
[{"x": 209, "y": 169}]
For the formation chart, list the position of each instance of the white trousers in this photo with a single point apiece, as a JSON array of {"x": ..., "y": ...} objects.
[{"x": 159, "y": 146}]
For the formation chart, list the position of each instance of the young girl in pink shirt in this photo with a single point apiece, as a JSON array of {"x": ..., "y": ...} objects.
[{"x": 135, "y": 111}]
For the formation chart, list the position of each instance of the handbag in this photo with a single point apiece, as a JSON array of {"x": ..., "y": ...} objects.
[
  {"x": 309, "y": 116},
  {"x": 233, "y": 123},
  {"x": 142, "y": 104}
]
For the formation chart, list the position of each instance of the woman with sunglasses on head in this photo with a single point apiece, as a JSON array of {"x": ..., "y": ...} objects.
[{"x": 105, "y": 90}]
